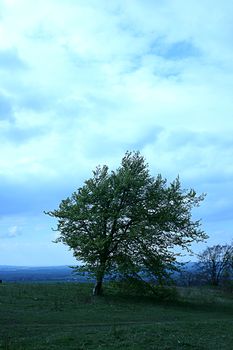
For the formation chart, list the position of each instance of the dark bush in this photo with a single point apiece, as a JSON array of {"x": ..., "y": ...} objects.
[{"x": 139, "y": 287}]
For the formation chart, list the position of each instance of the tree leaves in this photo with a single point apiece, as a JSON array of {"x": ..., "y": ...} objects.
[{"x": 127, "y": 220}]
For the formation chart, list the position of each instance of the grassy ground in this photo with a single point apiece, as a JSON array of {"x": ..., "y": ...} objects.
[{"x": 66, "y": 316}]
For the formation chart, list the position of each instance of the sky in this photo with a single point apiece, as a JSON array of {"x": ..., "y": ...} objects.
[{"x": 83, "y": 81}]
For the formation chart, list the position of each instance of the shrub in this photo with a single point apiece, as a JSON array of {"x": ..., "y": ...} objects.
[{"x": 138, "y": 287}]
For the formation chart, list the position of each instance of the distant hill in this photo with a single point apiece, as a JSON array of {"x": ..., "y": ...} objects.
[
  {"x": 53, "y": 273},
  {"x": 39, "y": 274}
]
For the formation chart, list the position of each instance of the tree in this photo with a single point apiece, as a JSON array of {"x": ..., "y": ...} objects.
[
  {"x": 216, "y": 262},
  {"x": 127, "y": 221}
]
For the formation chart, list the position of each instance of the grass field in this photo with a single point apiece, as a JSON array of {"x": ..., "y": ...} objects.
[{"x": 66, "y": 316}]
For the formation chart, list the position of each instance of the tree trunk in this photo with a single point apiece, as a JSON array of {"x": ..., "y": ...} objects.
[
  {"x": 97, "y": 290},
  {"x": 214, "y": 278}
]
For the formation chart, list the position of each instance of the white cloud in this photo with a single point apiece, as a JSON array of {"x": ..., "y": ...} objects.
[
  {"x": 14, "y": 231},
  {"x": 10, "y": 232}
]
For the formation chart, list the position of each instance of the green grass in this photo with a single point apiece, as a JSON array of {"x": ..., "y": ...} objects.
[{"x": 66, "y": 316}]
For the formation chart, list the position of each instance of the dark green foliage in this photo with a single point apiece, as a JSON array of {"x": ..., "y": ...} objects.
[
  {"x": 126, "y": 221},
  {"x": 131, "y": 286},
  {"x": 166, "y": 293},
  {"x": 227, "y": 285},
  {"x": 141, "y": 288}
]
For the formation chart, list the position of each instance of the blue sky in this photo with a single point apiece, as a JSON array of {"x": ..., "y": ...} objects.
[{"x": 83, "y": 81}]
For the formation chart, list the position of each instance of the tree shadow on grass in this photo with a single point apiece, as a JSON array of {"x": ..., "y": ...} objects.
[{"x": 198, "y": 304}]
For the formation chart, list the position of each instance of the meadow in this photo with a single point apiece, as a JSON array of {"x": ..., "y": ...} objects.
[{"x": 65, "y": 316}]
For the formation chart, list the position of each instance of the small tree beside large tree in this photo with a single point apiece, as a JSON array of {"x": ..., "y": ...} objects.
[
  {"x": 127, "y": 221},
  {"x": 216, "y": 263}
]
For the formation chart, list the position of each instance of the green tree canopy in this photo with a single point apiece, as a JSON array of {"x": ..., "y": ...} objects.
[{"x": 128, "y": 221}]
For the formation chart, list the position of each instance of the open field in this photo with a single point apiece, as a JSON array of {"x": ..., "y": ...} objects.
[{"x": 66, "y": 316}]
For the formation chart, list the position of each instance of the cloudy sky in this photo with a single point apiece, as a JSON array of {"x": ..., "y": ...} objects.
[{"x": 82, "y": 81}]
